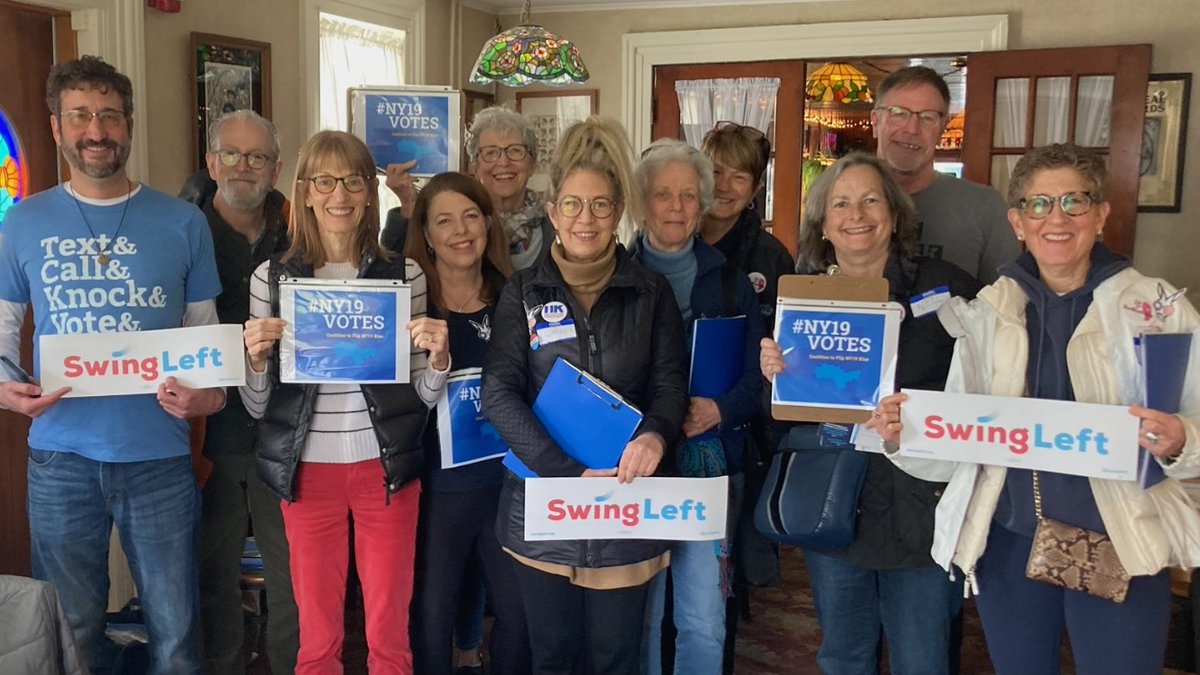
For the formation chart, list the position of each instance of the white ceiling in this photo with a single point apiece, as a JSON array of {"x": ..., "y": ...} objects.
[{"x": 514, "y": 6}]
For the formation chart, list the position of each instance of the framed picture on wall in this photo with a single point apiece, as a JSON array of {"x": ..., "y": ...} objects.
[
  {"x": 231, "y": 74},
  {"x": 1164, "y": 134},
  {"x": 551, "y": 112}
]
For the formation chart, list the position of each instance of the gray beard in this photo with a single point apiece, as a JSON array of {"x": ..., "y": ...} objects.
[{"x": 252, "y": 201}]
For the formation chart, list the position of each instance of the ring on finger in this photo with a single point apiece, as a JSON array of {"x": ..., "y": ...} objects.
[{"x": 1151, "y": 437}]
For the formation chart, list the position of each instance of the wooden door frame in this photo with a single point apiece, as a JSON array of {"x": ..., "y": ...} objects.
[
  {"x": 787, "y": 193},
  {"x": 115, "y": 31},
  {"x": 641, "y": 52}
]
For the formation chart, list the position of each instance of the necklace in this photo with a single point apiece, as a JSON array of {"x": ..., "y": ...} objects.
[
  {"x": 474, "y": 294},
  {"x": 103, "y": 257}
]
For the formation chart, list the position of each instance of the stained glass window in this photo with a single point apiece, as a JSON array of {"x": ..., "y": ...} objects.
[{"x": 13, "y": 181}]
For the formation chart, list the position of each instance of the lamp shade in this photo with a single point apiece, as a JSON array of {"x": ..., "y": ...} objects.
[
  {"x": 529, "y": 54},
  {"x": 838, "y": 82}
]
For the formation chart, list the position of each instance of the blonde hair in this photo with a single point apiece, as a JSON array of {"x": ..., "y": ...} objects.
[
  {"x": 323, "y": 149},
  {"x": 599, "y": 145}
]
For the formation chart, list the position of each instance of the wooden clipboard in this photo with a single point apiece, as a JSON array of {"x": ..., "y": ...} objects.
[{"x": 825, "y": 287}]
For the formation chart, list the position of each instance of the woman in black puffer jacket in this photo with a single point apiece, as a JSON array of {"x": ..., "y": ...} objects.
[{"x": 586, "y": 595}]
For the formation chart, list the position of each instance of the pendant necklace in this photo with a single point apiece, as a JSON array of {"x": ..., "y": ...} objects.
[
  {"x": 103, "y": 258},
  {"x": 468, "y": 300}
]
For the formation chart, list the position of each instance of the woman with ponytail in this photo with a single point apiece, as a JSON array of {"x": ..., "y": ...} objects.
[{"x": 622, "y": 324}]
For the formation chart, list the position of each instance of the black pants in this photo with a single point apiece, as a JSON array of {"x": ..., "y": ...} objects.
[
  {"x": 574, "y": 623},
  {"x": 454, "y": 528}
]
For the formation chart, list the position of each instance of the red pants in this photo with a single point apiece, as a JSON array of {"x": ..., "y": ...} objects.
[{"x": 317, "y": 524}]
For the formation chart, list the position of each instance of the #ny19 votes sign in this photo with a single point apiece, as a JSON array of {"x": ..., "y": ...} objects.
[
  {"x": 678, "y": 509},
  {"x": 836, "y": 354},
  {"x": 114, "y": 364},
  {"x": 1081, "y": 439},
  {"x": 344, "y": 330}
]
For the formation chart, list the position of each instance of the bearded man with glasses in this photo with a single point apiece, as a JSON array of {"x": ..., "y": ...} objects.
[
  {"x": 106, "y": 254},
  {"x": 958, "y": 221},
  {"x": 248, "y": 219}
]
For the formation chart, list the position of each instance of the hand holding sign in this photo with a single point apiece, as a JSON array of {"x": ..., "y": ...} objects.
[
  {"x": 770, "y": 359},
  {"x": 1162, "y": 435},
  {"x": 885, "y": 420},
  {"x": 404, "y": 184},
  {"x": 28, "y": 398},
  {"x": 640, "y": 457},
  {"x": 260, "y": 336},
  {"x": 186, "y": 402},
  {"x": 433, "y": 336}
]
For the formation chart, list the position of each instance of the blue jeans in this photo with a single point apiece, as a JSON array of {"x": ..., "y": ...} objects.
[
  {"x": 73, "y": 503},
  {"x": 913, "y": 606},
  {"x": 699, "y": 611}
]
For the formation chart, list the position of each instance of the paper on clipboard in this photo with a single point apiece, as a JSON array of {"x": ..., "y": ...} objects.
[
  {"x": 344, "y": 330},
  {"x": 832, "y": 310}
]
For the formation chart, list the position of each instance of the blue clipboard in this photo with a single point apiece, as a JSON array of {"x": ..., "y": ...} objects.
[
  {"x": 1164, "y": 362},
  {"x": 718, "y": 346},
  {"x": 586, "y": 418}
]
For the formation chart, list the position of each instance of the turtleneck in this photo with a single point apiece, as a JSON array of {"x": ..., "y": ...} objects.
[
  {"x": 587, "y": 279},
  {"x": 679, "y": 268}
]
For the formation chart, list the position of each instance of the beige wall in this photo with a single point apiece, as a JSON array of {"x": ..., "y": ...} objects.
[
  {"x": 166, "y": 114},
  {"x": 1168, "y": 245}
]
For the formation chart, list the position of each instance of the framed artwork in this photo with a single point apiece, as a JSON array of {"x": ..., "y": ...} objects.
[
  {"x": 551, "y": 112},
  {"x": 231, "y": 74},
  {"x": 1164, "y": 135}
]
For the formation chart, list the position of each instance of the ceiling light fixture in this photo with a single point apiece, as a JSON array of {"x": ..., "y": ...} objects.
[{"x": 529, "y": 54}]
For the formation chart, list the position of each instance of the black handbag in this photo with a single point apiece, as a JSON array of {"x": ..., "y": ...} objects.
[{"x": 810, "y": 497}]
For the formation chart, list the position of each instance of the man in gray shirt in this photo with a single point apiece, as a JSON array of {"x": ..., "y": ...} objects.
[{"x": 959, "y": 221}]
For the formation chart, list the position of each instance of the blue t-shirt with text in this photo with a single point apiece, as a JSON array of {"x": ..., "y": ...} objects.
[{"x": 159, "y": 258}]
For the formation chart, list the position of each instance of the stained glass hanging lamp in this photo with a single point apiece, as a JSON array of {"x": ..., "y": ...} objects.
[
  {"x": 13, "y": 179},
  {"x": 529, "y": 54},
  {"x": 838, "y": 82}
]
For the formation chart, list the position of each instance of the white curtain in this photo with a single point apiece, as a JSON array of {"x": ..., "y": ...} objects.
[
  {"x": 1012, "y": 102},
  {"x": 1093, "y": 118},
  {"x": 749, "y": 101},
  {"x": 1051, "y": 110},
  {"x": 354, "y": 54}
]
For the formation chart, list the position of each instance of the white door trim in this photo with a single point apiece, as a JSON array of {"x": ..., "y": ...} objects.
[
  {"x": 641, "y": 52},
  {"x": 114, "y": 30}
]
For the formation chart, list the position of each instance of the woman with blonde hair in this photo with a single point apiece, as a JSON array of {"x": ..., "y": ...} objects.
[
  {"x": 625, "y": 329},
  {"x": 342, "y": 453}
]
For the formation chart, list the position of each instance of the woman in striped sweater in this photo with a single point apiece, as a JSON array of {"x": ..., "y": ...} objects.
[{"x": 327, "y": 449}]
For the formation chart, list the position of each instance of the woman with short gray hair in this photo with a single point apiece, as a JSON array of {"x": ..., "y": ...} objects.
[
  {"x": 676, "y": 183},
  {"x": 502, "y": 149}
]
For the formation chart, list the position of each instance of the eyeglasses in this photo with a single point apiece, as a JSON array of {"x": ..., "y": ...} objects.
[
  {"x": 1037, "y": 207},
  {"x": 571, "y": 207},
  {"x": 80, "y": 119},
  {"x": 327, "y": 184},
  {"x": 749, "y": 133},
  {"x": 255, "y": 160},
  {"x": 925, "y": 118},
  {"x": 491, "y": 153}
]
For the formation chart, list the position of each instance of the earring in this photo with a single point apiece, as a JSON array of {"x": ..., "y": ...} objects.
[
  {"x": 1100, "y": 234},
  {"x": 824, "y": 238},
  {"x": 617, "y": 236},
  {"x": 557, "y": 239},
  {"x": 1020, "y": 237},
  {"x": 429, "y": 250}
]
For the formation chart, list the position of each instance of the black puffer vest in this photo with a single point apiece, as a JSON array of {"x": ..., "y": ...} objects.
[{"x": 397, "y": 413}]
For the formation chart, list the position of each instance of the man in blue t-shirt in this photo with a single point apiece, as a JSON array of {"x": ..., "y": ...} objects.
[{"x": 104, "y": 254}]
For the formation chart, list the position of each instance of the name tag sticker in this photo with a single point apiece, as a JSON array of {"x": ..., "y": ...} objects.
[
  {"x": 929, "y": 301},
  {"x": 549, "y": 333}
]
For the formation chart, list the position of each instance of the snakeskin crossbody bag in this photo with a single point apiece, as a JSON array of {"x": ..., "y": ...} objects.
[{"x": 1074, "y": 558}]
